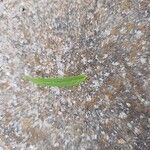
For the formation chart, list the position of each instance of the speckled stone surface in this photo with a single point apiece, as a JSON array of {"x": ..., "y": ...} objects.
[{"x": 109, "y": 40}]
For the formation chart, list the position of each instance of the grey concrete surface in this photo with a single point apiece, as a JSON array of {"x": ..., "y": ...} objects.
[{"x": 109, "y": 40}]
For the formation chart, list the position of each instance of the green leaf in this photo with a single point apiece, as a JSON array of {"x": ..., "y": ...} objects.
[{"x": 59, "y": 81}]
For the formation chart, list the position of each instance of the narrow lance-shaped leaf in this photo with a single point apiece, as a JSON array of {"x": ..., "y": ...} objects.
[{"x": 59, "y": 81}]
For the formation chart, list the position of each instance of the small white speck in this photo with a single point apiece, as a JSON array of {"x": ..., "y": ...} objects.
[
  {"x": 89, "y": 98},
  {"x": 59, "y": 113},
  {"x": 96, "y": 106},
  {"x": 138, "y": 34},
  {"x": 130, "y": 63},
  {"x": 56, "y": 144},
  {"x": 107, "y": 74},
  {"x": 2, "y": 8},
  {"x": 123, "y": 115},
  {"x": 96, "y": 83},
  {"x": 143, "y": 60},
  {"x": 105, "y": 56},
  {"x": 124, "y": 74},
  {"x": 128, "y": 104},
  {"x": 107, "y": 32},
  {"x": 103, "y": 132},
  {"x": 31, "y": 147},
  {"x": 129, "y": 125},
  {"x": 60, "y": 65},
  {"x": 115, "y": 63},
  {"x": 123, "y": 30},
  {"x": 94, "y": 137},
  {"x": 141, "y": 99},
  {"x": 146, "y": 103},
  {"x": 60, "y": 72}
]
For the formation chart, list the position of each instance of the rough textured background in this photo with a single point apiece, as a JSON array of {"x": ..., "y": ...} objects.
[{"x": 106, "y": 39}]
